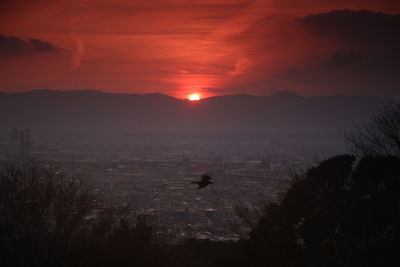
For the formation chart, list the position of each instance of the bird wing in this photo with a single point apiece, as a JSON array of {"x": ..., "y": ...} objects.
[{"x": 205, "y": 178}]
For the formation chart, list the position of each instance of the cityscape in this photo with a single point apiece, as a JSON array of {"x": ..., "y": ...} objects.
[{"x": 154, "y": 174}]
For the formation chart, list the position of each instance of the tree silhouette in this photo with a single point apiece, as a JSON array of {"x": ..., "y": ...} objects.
[
  {"x": 47, "y": 220},
  {"x": 335, "y": 215},
  {"x": 378, "y": 136},
  {"x": 42, "y": 220}
]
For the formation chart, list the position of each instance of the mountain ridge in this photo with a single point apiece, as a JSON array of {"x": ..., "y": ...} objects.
[
  {"x": 91, "y": 111},
  {"x": 95, "y": 91}
]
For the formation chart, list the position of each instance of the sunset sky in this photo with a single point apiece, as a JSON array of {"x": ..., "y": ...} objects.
[{"x": 211, "y": 47}]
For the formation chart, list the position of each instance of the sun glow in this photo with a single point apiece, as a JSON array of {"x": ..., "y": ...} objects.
[{"x": 194, "y": 97}]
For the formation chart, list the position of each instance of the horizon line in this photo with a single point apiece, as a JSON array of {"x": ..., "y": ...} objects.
[{"x": 164, "y": 94}]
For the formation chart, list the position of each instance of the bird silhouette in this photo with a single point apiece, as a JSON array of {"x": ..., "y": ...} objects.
[{"x": 205, "y": 180}]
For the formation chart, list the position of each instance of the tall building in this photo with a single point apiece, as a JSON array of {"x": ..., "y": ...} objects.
[
  {"x": 25, "y": 143},
  {"x": 14, "y": 136}
]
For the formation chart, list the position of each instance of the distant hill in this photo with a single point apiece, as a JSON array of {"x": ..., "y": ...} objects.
[{"x": 47, "y": 111}]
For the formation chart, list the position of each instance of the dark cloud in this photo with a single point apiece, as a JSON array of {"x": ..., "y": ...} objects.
[
  {"x": 366, "y": 55},
  {"x": 368, "y": 41},
  {"x": 360, "y": 27},
  {"x": 14, "y": 46}
]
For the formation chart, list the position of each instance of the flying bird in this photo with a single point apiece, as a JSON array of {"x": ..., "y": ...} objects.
[{"x": 205, "y": 180}]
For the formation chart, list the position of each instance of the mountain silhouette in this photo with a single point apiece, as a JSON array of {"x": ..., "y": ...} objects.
[{"x": 47, "y": 111}]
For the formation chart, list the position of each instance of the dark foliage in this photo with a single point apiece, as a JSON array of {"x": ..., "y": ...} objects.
[
  {"x": 47, "y": 220},
  {"x": 42, "y": 217},
  {"x": 334, "y": 216}
]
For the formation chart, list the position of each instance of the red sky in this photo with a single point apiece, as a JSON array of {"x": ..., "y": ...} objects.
[{"x": 212, "y": 47}]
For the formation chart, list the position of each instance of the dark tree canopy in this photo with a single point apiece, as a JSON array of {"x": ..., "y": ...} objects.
[
  {"x": 47, "y": 220},
  {"x": 42, "y": 217},
  {"x": 335, "y": 215}
]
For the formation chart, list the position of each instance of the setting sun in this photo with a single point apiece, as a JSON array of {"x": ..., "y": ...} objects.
[{"x": 194, "y": 97}]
